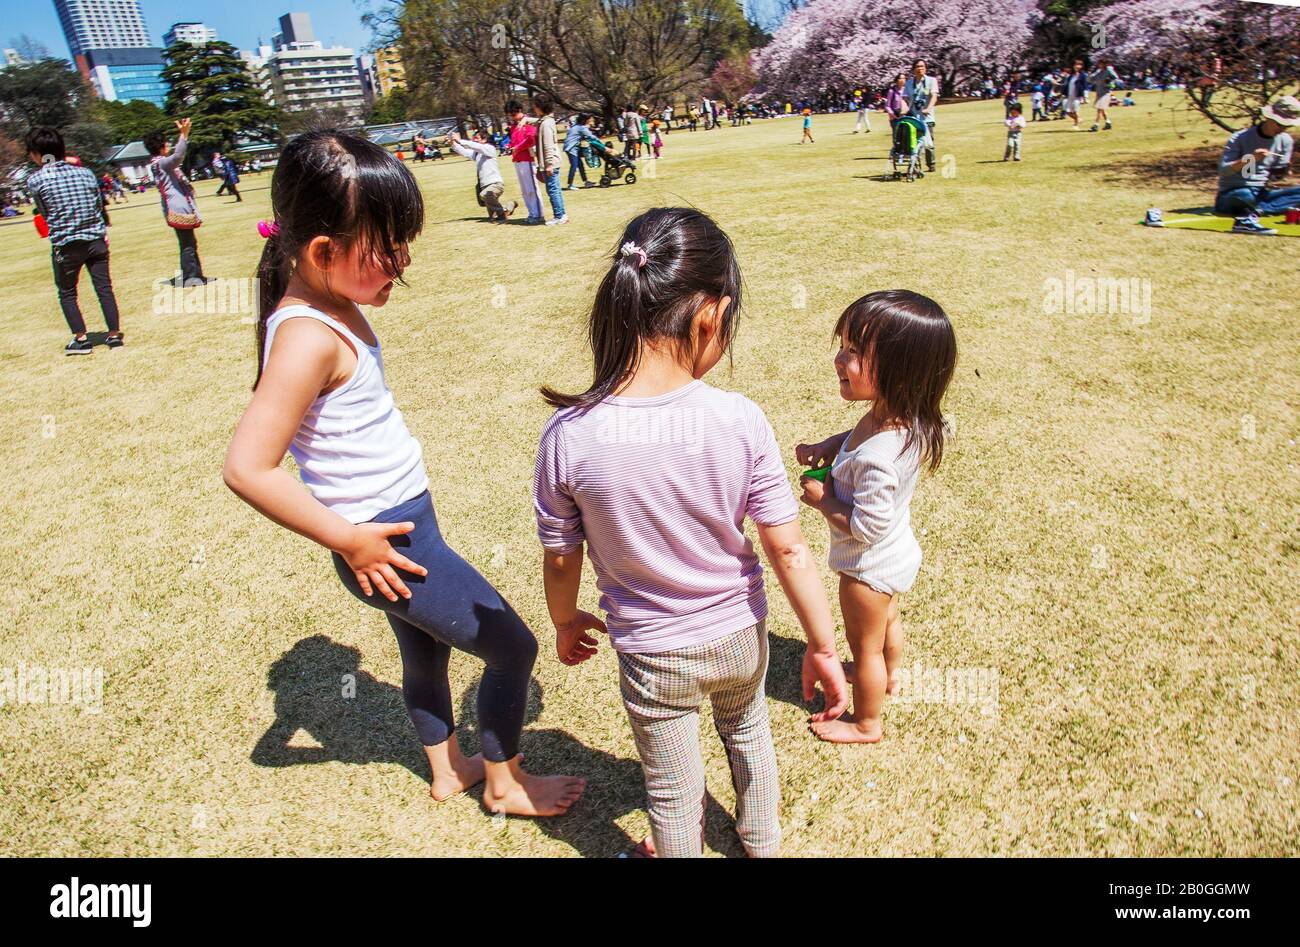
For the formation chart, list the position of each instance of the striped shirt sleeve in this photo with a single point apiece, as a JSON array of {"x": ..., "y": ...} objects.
[
  {"x": 771, "y": 499},
  {"x": 559, "y": 521},
  {"x": 875, "y": 484}
]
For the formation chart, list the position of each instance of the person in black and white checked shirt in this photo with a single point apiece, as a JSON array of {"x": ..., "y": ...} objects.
[{"x": 69, "y": 199}]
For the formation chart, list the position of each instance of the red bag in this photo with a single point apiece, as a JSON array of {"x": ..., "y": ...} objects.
[{"x": 42, "y": 227}]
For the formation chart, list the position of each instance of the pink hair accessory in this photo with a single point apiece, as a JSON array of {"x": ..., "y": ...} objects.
[
  {"x": 631, "y": 249},
  {"x": 268, "y": 228}
]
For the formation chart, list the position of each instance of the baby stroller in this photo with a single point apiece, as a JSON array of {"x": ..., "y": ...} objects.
[
  {"x": 616, "y": 167},
  {"x": 905, "y": 155}
]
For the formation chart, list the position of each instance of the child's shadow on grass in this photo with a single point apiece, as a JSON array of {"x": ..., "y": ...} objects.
[{"x": 353, "y": 717}]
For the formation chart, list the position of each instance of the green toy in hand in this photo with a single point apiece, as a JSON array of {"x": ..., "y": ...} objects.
[{"x": 818, "y": 473}]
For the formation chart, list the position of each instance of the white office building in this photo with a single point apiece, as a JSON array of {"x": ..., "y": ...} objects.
[
  {"x": 302, "y": 74},
  {"x": 196, "y": 34}
]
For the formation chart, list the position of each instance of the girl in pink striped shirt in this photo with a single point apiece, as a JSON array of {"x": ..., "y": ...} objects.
[{"x": 654, "y": 472}]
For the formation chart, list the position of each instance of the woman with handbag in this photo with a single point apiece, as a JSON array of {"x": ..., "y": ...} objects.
[{"x": 179, "y": 206}]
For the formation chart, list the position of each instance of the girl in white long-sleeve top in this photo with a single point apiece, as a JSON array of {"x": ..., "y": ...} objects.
[{"x": 897, "y": 351}]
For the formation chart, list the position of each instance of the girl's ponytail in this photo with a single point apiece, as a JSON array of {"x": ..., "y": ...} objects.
[
  {"x": 272, "y": 281},
  {"x": 669, "y": 262}
]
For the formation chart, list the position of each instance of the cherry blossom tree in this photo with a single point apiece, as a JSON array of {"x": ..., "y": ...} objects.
[
  {"x": 1141, "y": 33},
  {"x": 832, "y": 43},
  {"x": 1233, "y": 57}
]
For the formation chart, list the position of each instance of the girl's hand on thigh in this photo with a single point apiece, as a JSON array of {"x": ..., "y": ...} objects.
[{"x": 372, "y": 557}]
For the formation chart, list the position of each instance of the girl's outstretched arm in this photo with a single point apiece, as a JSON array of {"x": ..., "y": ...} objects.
[
  {"x": 299, "y": 368},
  {"x": 821, "y": 453},
  {"x": 791, "y": 560},
  {"x": 562, "y": 575}
]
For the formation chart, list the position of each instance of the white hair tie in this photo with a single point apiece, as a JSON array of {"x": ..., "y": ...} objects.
[{"x": 629, "y": 249}]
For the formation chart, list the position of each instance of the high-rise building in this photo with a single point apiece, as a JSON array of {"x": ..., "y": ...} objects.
[
  {"x": 390, "y": 74},
  {"x": 303, "y": 74},
  {"x": 13, "y": 58},
  {"x": 102, "y": 24},
  {"x": 369, "y": 81},
  {"x": 111, "y": 48},
  {"x": 196, "y": 34}
]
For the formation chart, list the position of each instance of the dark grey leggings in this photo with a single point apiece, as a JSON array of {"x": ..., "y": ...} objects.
[{"x": 452, "y": 607}]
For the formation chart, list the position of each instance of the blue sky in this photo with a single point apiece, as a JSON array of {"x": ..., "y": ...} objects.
[{"x": 239, "y": 22}]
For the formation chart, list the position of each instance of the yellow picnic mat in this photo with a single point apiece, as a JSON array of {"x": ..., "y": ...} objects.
[{"x": 1224, "y": 224}]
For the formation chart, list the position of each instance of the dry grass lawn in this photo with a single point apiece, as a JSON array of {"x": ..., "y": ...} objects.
[{"x": 1115, "y": 533}]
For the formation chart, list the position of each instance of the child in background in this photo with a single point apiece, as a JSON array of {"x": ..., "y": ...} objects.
[
  {"x": 897, "y": 351},
  {"x": 1128, "y": 99},
  {"x": 655, "y": 472},
  {"x": 656, "y": 142},
  {"x": 1037, "y": 99},
  {"x": 1015, "y": 131},
  {"x": 807, "y": 127},
  {"x": 345, "y": 212}
]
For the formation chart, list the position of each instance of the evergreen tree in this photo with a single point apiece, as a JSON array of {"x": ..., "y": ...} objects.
[
  {"x": 131, "y": 121},
  {"x": 210, "y": 84}
]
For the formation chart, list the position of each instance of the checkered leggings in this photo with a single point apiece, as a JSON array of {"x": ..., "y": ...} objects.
[{"x": 662, "y": 694}]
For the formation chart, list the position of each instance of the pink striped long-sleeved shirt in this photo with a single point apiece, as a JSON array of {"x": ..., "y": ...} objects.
[{"x": 659, "y": 489}]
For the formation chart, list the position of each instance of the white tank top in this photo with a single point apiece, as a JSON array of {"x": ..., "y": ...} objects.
[{"x": 353, "y": 450}]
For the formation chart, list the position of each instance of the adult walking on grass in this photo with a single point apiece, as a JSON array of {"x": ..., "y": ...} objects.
[
  {"x": 1103, "y": 80},
  {"x": 229, "y": 172},
  {"x": 69, "y": 199},
  {"x": 575, "y": 140},
  {"x": 1076, "y": 92},
  {"x": 631, "y": 132},
  {"x": 895, "y": 103},
  {"x": 179, "y": 207},
  {"x": 922, "y": 94}
]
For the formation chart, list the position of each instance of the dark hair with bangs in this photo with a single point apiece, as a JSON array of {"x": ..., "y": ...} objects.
[
  {"x": 689, "y": 262},
  {"x": 911, "y": 351},
  {"x": 334, "y": 184}
]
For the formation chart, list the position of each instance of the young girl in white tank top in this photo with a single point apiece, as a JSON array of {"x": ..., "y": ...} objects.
[{"x": 345, "y": 212}]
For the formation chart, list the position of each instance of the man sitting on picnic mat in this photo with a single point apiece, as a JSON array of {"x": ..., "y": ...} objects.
[{"x": 1253, "y": 156}]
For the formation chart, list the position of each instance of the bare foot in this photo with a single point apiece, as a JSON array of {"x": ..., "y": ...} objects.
[
  {"x": 646, "y": 848},
  {"x": 466, "y": 771},
  {"x": 847, "y": 731},
  {"x": 535, "y": 795}
]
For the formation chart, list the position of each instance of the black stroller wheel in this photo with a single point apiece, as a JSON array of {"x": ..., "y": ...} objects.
[
  {"x": 630, "y": 179},
  {"x": 604, "y": 180}
]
